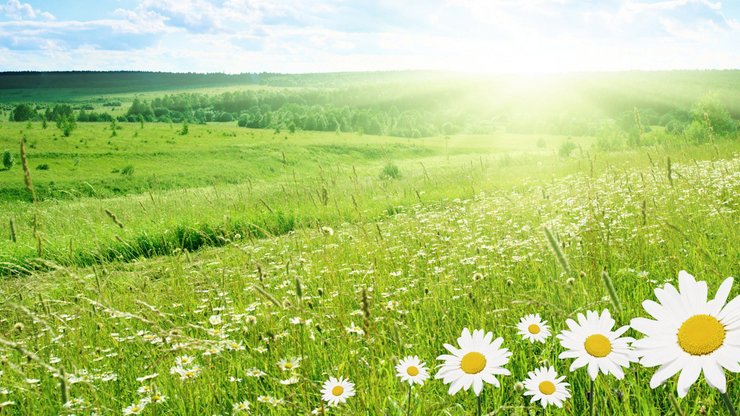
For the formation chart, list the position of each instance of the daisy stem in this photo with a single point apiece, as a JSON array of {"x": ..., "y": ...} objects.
[
  {"x": 591, "y": 398},
  {"x": 479, "y": 413},
  {"x": 408, "y": 410},
  {"x": 728, "y": 404}
]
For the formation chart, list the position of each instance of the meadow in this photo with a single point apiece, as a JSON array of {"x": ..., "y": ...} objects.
[{"x": 173, "y": 274}]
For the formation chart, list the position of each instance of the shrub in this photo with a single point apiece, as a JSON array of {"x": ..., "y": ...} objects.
[
  {"x": 43, "y": 166},
  {"x": 8, "y": 160},
  {"x": 390, "y": 171},
  {"x": 566, "y": 148}
]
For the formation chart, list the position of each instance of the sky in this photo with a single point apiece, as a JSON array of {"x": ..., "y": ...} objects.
[{"x": 299, "y": 36}]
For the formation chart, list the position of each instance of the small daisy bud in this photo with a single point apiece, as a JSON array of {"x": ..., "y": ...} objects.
[
  {"x": 19, "y": 327},
  {"x": 703, "y": 410},
  {"x": 570, "y": 281},
  {"x": 519, "y": 386},
  {"x": 582, "y": 274},
  {"x": 509, "y": 282}
]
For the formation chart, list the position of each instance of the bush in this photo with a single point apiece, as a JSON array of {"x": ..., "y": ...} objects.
[
  {"x": 566, "y": 148},
  {"x": 390, "y": 171},
  {"x": 8, "y": 160},
  {"x": 43, "y": 166},
  {"x": 711, "y": 110}
]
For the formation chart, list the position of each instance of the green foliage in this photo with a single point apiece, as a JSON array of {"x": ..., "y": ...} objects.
[
  {"x": 184, "y": 131},
  {"x": 391, "y": 171},
  {"x": 566, "y": 148},
  {"x": 42, "y": 166},
  {"x": 710, "y": 111},
  {"x": 609, "y": 137},
  {"x": 23, "y": 112},
  {"x": 66, "y": 123},
  {"x": 8, "y": 160}
]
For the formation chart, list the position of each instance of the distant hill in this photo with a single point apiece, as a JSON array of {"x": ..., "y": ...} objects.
[{"x": 119, "y": 79}]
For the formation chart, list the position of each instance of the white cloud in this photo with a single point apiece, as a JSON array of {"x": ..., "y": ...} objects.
[{"x": 16, "y": 10}]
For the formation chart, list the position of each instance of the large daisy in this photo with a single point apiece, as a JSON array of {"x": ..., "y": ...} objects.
[
  {"x": 335, "y": 391},
  {"x": 412, "y": 370},
  {"x": 544, "y": 385},
  {"x": 533, "y": 328},
  {"x": 592, "y": 343},
  {"x": 690, "y": 334},
  {"x": 477, "y": 360}
]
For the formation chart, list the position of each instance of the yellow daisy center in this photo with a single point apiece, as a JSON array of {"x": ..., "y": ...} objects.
[
  {"x": 288, "y": 365},
  {"x": 337, "y": 390},
  {"x": 701, "y": 335},
  {"x": 598, "y": 345},
  {"x": 547, "y": 387},
  {"x": 534, "y": 329},
  {"x": 412, "y": 371},
  {"x": 473, "y": 363}
]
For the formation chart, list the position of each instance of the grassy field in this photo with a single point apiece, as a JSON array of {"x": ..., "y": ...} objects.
[
  {"x": 219, "y": 181},
  {"x": 164, "y": 272},
  {"x": 308, "y": 251}
]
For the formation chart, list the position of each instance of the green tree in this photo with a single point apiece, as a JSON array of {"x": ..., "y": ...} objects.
[
  {"x": 22, "y": 112},
  {"x": 710, "y": 112},
  {"x": 66, "y": 124}
]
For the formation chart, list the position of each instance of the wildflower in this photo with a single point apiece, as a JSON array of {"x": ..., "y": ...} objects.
[
  {"x": 533, "y": 328},
  {"x": 134, "y": 409},
  {"x": 336, "y": 391},
  {"x": 544, "y": 385},
  {"x": 477, "y": 360},
  {"x": 289, "y": 364},
  {"x": 186, "y": 373},
  {"x": 690, "y": 334},
  {"x": 412, "y": 370},
  {"x": 157, "y": 398},
  {"x": 255, "y": 372},
  {"x": 352, "y": 329},
  {"x": 184, "y": 360},
  {"x": 241, "y": 407},
  {"x": 592, "y": 343}
]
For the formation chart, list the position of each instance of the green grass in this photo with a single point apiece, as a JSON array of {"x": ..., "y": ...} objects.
[
  {"x": 457, "y": 241},
  {"x": 219, "y": 181}
]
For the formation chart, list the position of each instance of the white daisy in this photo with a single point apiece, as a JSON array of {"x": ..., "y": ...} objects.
[
  {"x": 290, "y": 364},
  {"x": 412, "y": 370},
  {"x": 477, "y": 360},
  {"x": 241, "y": 407},
  {"x": 592, "y": 342},
  {"x": 533, "y": 328},
  {"x": 134, "y": 409},
  {"x": 543, "y": 384},
  {"x": 336, "y": 391},
  {"x": 690, "y": 334}
]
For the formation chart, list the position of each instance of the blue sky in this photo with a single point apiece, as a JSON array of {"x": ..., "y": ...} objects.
[{"x": 347, "y": 35}]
